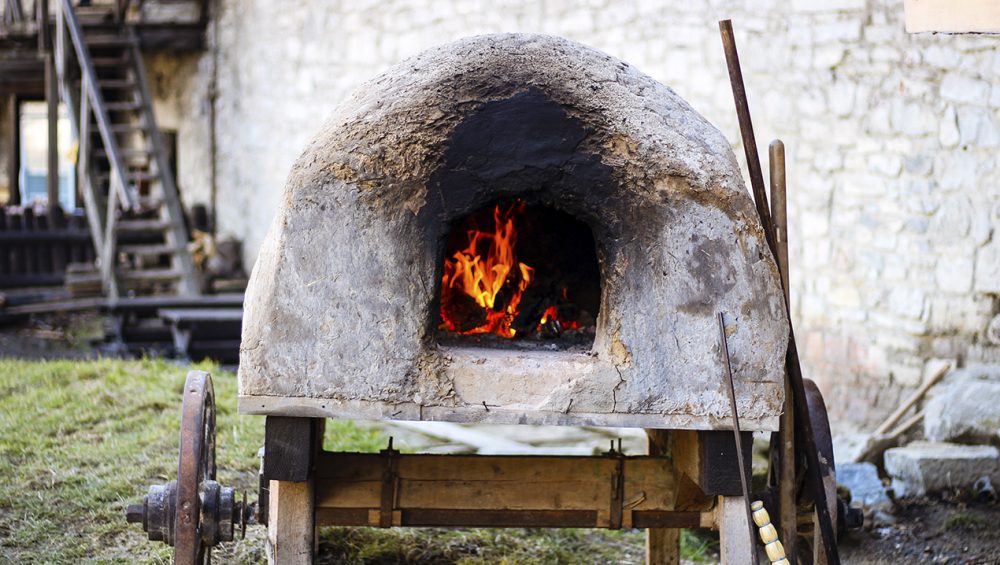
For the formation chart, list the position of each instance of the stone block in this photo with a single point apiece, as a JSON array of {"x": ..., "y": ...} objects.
[
  {"x": 948, "y": 134},
  {"x": 964, "y": 411},
  {"x": 941, "y": 56},
  {"x": 911, "y": 118},
  {"x": 924, "y": 467},
  {"x": 965, "y": 89},
  {"x": 954, "y": 273},
  {"x": 867, "y": 490},
  {"x": 959, "y": 170},
  {"x": 907, "y": 302},
  {"x": 988, "y": 267},
  {"x": 976, "y": 127},
  {"x": 886, "y": 164}
]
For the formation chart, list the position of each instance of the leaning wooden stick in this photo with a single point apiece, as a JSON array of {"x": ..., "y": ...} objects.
[
  {"x": 746, "y": 131},
  {"x": 731, "y": 389},
  {"x": 792, "y": 364},
  {"x": 910, "y": 402},
  {"x": 785, "y": 438}
]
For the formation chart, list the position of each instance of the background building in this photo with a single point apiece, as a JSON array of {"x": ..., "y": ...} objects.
[{"x": 891, "y": 140}]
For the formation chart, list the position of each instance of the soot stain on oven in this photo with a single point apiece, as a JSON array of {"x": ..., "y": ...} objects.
[{"x": 524, "y": 159}]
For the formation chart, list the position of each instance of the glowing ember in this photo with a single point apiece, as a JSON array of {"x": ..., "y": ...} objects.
[
  {"x": 487, "y": 271},
  {"x": 551, "y": 317}
]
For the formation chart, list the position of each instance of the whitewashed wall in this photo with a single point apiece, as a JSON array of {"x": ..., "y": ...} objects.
[{"x": 892, "y": 143}]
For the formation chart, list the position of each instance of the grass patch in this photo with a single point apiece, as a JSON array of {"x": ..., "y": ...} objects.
[
  {"x": 81, "y": 440},
  {"x": 963, "y": 521}
]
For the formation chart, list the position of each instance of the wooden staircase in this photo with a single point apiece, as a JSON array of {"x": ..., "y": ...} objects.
[{"x": 133, "y": 209}]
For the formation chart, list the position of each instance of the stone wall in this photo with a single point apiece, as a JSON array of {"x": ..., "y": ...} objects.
[{"x": 892, "y": 143}]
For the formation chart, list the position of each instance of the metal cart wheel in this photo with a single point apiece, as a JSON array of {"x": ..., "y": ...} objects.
[
  {"x": 194, "y": 512},
  {"x": 195, "y": 466}
]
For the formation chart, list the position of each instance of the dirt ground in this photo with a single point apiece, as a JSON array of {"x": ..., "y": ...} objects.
[{"x": 947, "y": 529}]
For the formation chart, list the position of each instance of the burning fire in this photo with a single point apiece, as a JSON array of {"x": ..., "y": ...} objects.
[
  {"x": 483, "y": 285},
  {"x": 495, "y": 282}
]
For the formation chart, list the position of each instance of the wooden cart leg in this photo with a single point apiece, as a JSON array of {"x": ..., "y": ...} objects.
[
  {"x": 291, "y": 529},
  {"x": 290, "y": 449},
  {"x": 662, "y": 544},
  {"x": 735, "y": 545}
]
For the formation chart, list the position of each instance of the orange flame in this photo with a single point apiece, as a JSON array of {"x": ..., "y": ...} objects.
[
  {"x": 551, "y": 314},
  {"x": 483, "y": 279}
]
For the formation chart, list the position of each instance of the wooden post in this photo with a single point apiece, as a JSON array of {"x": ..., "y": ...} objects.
[
  {"x": 787, "y": 508},
  {"x": 14, "y": 144},
  {"x": 52, "y": 104},
  {"x": 290, "y": 449},
  {"x": 291, "y": 529},
  {"x": 736, "y": 547},
  {"x": 662, "y": 544}
]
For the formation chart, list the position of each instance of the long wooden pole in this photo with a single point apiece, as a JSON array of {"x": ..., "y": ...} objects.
[
  {"x": 52, "y": 116},
  {"x": 746, "y": 131},
  {"x": 787, "y": 507},
  {"x": 792, "y": 363}
]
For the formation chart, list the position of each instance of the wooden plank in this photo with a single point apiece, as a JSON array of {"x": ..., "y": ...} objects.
[
  {"x": 952, "y": 16},
  {"x": 43, "y": 251},
  {"x": 4, "y": 248},
  {"x": 52, "y": 114},
  {"x": 480, "y": 482},
  {"x": 57, "y": 223},
  {"x": 15, "y": 223},
  {"x": 708, "y": 458},
  {"x": 291, "y": 528},
  {"x": 662, "y": 544},
  {"x": 28, "y": 246},
  {"x": 289, "y": 448},
  {"x": 735, "y": 544},
  {"x": 13, "y": 146},
  {"x": 156, "y": 225},
  {"x": 187, "y": 316}
]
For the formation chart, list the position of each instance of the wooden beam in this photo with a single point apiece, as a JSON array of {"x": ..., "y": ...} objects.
[
  {"x": 784, "y": 441},
  {"x": 662, "y": 544},
  {"x": 13, "y": 143},
  {"x": 290, "y": 447},
  {"x": 291, "y": 506},
  {"x": 500, "y": 490},
  {"x": 291, "y": 527},
  {"x": 736, "y": 547},
  {"x": 52, "y": 107},
  {"x": 708, "y": 458}
]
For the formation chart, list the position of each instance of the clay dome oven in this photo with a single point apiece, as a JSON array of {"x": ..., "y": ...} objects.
[{"x": 637, "y": 222}]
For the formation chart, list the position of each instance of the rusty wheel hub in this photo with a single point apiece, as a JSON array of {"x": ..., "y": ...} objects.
[{"x": 194, "y": 512}]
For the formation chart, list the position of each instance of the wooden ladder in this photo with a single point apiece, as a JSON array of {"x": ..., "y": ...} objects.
[{"x": 133, "y": 209}]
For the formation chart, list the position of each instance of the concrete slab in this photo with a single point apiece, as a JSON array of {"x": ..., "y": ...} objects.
[
  {"x": 965, "y": 412},
  {"x": 923, "y": 467}
]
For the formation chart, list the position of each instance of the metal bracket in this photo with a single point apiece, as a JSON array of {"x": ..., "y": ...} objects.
[
  {"x": 617, "y": 487},
  {"x": 389, "y": 479}
]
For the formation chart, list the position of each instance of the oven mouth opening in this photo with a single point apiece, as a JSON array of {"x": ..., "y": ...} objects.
[{"x": 519, "y": 276}]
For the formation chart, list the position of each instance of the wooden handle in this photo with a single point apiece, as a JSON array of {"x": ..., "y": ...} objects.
[{"x": 768, "y": 535}]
